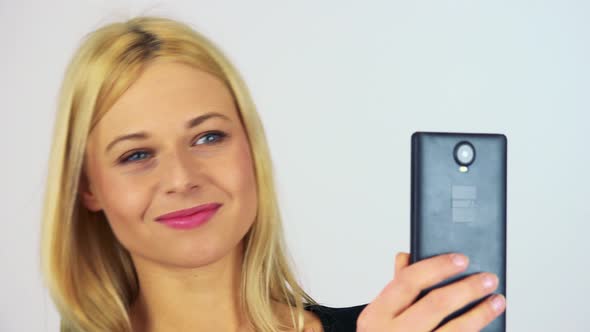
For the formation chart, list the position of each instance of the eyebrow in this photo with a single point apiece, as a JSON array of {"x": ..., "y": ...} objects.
[{"x": 189, "y": 124}]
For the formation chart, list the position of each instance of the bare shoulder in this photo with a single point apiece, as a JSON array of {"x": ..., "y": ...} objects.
[{"x": 311, "y": 320}]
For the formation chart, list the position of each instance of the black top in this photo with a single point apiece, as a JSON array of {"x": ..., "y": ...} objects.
[{"x": 337, "y": 319}]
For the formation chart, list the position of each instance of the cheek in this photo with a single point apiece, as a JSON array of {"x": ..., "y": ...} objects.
[
  {"x": 123, "y": 198},
  {"x": 124, "y": 202},
  {"x": 240, "y": 181},
  {"x": 247, "y": 181}
]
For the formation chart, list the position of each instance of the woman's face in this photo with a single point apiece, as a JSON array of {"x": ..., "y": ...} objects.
[{"x": 152, "y": 154}]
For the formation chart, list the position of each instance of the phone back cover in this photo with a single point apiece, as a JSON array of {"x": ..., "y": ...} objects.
[{"x": 465, "y": 212}]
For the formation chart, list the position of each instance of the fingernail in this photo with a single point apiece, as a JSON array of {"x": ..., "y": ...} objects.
[
  {"x": 459, "y": 260},
  {"x": 489, "y": 281},
  {"x": 498, "y": 302}
]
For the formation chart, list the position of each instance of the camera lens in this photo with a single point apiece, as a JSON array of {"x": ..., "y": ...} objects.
[{"x": 464, "y": 153}]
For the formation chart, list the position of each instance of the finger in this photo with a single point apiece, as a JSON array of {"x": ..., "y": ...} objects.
[
  {"x": 405, "y": 287},
  {"x": 430, "y": 310},
  {"x": 402, "y": 260},
  {"x": 477, "y": 318}
]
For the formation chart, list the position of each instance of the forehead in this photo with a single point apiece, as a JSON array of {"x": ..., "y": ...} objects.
[{"x": 168, "y": 94}]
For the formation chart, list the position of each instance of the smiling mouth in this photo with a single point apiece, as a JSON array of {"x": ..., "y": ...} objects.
[
  {"x": 188, "y": 212},
  {"x": 189, "y": 218}
]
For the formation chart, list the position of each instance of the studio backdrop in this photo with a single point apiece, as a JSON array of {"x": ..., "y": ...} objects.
[{"x": 340, "y": 87}]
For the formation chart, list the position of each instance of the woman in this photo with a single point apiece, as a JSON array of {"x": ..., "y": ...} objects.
[{"x": 160, "y": 211}]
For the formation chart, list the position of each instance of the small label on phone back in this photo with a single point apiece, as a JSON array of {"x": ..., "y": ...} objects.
[{"x": 463, "y": 203}]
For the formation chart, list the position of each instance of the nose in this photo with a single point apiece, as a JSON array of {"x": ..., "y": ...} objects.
[{"x": 179, "y": 173}]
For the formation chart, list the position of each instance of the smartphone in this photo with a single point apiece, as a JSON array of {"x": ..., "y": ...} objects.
[{"x": 458, "y": 204}]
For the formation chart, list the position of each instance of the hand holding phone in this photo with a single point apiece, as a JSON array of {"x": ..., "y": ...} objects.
[{"x": 395, "y": 309}]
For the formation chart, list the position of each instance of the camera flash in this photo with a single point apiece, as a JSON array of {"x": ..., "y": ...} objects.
[{"x": 463, "y": 169}]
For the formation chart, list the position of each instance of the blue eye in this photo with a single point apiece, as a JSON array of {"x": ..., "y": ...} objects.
[
  {"x": 210, "y": 138},
  {"x": 221, "y": 136},
  {"x": 135, "y": 156}
]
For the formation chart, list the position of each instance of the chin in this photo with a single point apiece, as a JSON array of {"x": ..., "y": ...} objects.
[{"x": 194, "y": 254}]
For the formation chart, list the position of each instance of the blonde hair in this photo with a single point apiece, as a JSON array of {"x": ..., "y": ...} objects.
[{"x": 89, "y": 274}]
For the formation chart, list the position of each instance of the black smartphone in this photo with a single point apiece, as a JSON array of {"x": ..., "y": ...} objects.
[{"x": 458, "y": 204}]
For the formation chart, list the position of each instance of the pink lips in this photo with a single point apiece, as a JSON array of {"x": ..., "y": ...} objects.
[{"x": 189, "y": 218}]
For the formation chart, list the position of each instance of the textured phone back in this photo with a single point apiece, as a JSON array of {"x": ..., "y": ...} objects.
[{"x": 464, "y": 212}]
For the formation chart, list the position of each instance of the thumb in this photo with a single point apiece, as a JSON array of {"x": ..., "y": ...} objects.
[{"x": 402, "y": 259}]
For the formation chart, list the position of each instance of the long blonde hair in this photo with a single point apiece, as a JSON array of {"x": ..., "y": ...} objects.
[{"x": 89, "y": 274}]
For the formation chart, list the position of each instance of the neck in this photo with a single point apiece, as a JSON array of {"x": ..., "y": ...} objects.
[{"x": 200, "y": 299}]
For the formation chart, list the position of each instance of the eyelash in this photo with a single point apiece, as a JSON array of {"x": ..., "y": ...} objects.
[{"x": 126, "y": 159}]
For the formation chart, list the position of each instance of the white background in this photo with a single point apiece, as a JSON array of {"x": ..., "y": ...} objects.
[{"x": 340, "y": 87}]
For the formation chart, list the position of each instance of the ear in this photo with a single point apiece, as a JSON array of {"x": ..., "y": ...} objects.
[{"x": 88, "y": 196}]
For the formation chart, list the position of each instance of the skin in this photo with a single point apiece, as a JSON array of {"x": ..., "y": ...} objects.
[
  {"x": 136, "y": 180},
  {"x": 394, "y": 308},
  {"x": 189, "y": 279}
]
